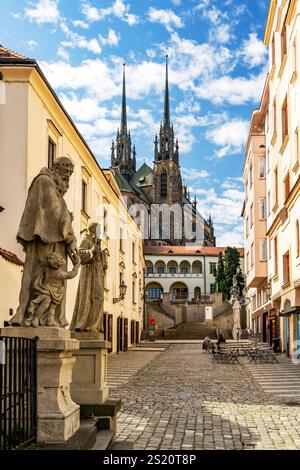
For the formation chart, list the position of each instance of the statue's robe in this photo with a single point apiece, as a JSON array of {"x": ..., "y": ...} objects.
[
  {"x": 88, "y": 310},
  {"x": 46, "y": 227}
]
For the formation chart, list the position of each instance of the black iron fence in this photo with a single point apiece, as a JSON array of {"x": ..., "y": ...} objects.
[{"x": 18, "y": 392}]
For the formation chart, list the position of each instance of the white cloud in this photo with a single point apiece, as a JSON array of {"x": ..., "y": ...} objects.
[
  {"x": 112, "y": 39},
  {"x": 32, "y": 44},
  {"x": 230, "y": 137},
  {"x": 118, "y": 9},
  {"x": 225, "y": 208},
  {"x": 43, "y": 11},
  {"x": 76, "y": 40},
  {"x": 80, "y": 24},
  {"x": 63, "y": 53},
  {"x": 192, "y": 174},
  {"x": 176, "y": 2},
  {"x": 235, "y": 91},
  {"x": 83, "y": 110},
  {"x": 253, "y": 51},
  {"x": 165, "y": 17},
  {"x": 222, "y": 33}
]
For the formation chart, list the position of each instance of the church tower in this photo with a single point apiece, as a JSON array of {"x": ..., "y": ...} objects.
[
  {"x": 123, "y": 156},
  {"x": 167, "y": 183}
]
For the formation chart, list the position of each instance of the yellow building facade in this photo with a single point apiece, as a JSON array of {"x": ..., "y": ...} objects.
[
  {"x": 282, "y": 183},
  {"x": 34, "y": 130}
]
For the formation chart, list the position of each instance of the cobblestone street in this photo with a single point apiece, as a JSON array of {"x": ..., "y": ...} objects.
[{"x": 180, "y": 400}]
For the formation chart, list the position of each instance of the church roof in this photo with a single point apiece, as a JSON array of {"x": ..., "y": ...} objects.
[
  {"x": 144, "y": 176},
  {"x": 129, "y": 186},
  {"x": 9, "y": 56},
  {"x": 123, "y": 184}
]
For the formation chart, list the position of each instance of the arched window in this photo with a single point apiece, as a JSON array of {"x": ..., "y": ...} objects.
[
  {"x": 164, "y": 184},
  {"x": 297, "y": 238}
]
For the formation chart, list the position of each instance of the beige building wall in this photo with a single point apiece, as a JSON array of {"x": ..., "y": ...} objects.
[
  {"x": 32, "y": 115},
  {"x": 10, "y": 282},
  {"x": 282, "y": 129}
]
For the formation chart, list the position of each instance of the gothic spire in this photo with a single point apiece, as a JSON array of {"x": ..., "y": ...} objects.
[
  {"x": 167, "y": 99},
  {"x": 124, "y": 106}
]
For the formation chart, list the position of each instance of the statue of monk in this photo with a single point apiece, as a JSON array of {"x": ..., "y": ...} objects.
[
  {"x": 45, "y": 228},
  {"x": 88, "y": 310}
]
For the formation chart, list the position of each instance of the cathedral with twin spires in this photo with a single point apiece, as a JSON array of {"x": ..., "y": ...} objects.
[{"x": 160, "y": 185}]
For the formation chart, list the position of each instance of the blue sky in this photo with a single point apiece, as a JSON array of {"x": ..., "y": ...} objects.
[{"x": 217, "y": 71}]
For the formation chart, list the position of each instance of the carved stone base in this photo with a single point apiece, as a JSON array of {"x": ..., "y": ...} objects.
[
  {"x": 58, "y": 415},
  {"x": 89, "y": 385}
]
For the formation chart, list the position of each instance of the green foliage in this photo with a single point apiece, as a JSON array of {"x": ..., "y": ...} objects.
[{"x": 228, "y": 267}]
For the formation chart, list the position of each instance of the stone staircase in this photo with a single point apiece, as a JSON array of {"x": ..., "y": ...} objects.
[{"x": 192, "y": 331}]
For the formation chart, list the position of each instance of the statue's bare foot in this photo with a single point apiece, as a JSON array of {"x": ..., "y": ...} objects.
[
  {"x": 35, "y": 322},
  {"x": 52, "y": 322}
]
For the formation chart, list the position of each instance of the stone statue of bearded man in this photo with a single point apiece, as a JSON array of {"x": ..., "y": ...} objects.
[{"x": 45, "y": 228}]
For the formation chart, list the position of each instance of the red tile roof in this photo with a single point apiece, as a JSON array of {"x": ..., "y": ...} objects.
[
  {"x": 187, "y": 250},
  {"x": 11, "y": 257},
  {"x": 7, "y": 55}
]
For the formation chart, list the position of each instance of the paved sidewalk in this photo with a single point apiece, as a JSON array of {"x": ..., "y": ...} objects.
[
  {"x": 281, "y": 380},
  {"x": 123, "y": 366},
  {"x": 181, "y": 400}
]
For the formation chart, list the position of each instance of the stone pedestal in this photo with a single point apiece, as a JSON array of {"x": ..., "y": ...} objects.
[
  {"x": 89, "y": 385},
  {"x": 58, "y": 415}
]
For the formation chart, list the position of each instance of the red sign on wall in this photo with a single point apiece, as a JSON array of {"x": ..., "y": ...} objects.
[{"x": 151, "y": 320}]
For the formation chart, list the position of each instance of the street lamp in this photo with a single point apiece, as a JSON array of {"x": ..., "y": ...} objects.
[
  {"x": 268, "y": 290},
  {"x": 123, "y": 289}
]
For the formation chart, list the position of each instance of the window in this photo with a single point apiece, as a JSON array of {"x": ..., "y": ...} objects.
[
  {"x": 286, "y": 267},
  {"x": 274, "y": 117},
  {"x": 164, "y": 184},
  {"x": 262, "y": 208},
  {"x": 247, "y": 261},
  {"x": 212, "y": 268},
  {"x": 251, "y": 215},
  {"x": 270, "y": 248},
  {"x": 283, "y": 42},
  {"x": 267, "y": 122},
  {"x": 251, "y": 176},
  {"x": 133, "y": 292},
  {"x": 155, "y": 293},
  {"x": 150, "y": 270},
  {"x": 285, "y": 123},
  {"x": 121, "y": 238},
  {"x": 259, "y": 322},
  {"x": 268, "y": 160},
  {"x": 273, "y": 51},
  {"x": 263, "y": 250},
  {"x": 275, "y": 256},
  {"x": 172, "y": 270},
  {"x": 184, "y": 270},
  {"x": 133, "y": 252},
  {"x": 269, "y": 203},
  {"x": 287, "y": 186},
  {"x": 213, "y": 288},
  {"x": 262, "y": 167},
  {"x": 160, "y": 270},
  {"x": 294, "y": 57},
  {"x": 258, "y": 299},
  {"x": 105, "y": 222},
  {"x": 297, "y": 238},
  {"x": 275, "y": 187},
  {"x": 51, "y": 153},
  {"x": 84, "y": 196},
  {"x": 252, "y": 254},
  {"x": 247, "y": 227}
]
